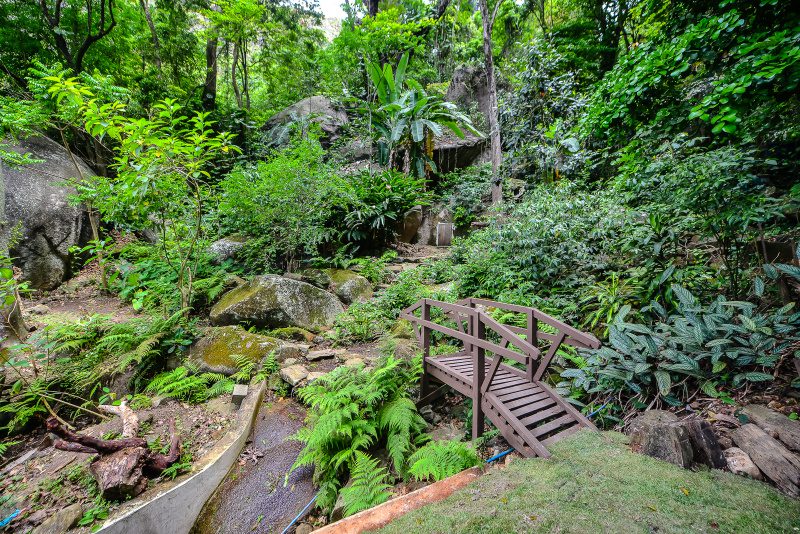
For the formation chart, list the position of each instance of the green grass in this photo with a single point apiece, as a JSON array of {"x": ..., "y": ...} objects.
[{"x": 593, "y": 483}]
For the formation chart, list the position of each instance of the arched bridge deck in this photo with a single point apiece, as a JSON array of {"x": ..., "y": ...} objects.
[{"x": 529, "y": 414}]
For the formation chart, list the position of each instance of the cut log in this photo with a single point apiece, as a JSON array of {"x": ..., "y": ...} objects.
[
  {"x": 124, "y": 464},
  {"x": 120, "y": 475},
  {"x": 775, "y": 424},
  {"x": 774, "y": 460}
]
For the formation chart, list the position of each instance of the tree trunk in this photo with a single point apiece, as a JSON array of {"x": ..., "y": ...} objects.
[
  {"x": 372, "y": 7},
  {"x": 234, "y": 82},
  {"x": 494, "y": 122},
  {"x": 156, "y": 43},
  {"x": 210, "y": 86}
]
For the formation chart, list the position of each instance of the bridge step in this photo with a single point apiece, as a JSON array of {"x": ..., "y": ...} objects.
[{"x": 530, "y": 415}]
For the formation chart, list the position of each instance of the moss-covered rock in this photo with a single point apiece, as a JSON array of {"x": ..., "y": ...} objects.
[
  {"x": 348, "y": 285},
  {"x": 215, "y": 350},
  {"x": 272, "y": 301}
]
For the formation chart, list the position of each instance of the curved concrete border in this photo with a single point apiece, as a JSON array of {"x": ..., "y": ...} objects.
[{"x": 173, "y": 507}]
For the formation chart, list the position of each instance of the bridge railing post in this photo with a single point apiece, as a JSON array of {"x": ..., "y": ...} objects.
[
  {"x": 426, "y": 348},
  {"x": 478, "y": 374},
  {"x": 531, "y": 330}
]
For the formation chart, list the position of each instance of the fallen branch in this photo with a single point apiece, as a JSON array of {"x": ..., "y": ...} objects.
[{"x": 123, "y": 465}]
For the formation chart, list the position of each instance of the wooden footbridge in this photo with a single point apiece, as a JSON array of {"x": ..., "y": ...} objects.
[{"x": 528, "y": 413}]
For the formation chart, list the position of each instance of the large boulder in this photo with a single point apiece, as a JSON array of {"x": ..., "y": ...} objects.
[
  {"x": 348, "y": 285},
  {"x": 319, "y": 109},
  {"x": 272, "y": 301},
  {"x": 215, "y": 350},
  {"x": 469, "y": 88},
  {"x": 659, "y": 434},
  {"x": 37, "y": 202}
]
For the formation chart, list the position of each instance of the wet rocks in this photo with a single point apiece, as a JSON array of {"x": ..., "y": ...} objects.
[
  {"x": 294, "y": 374},
  {"x": 773, "y": 459},
  {"x": 659, "y": 434},
  {"x": 775, "y": 424},
  {"x": 61, "y": 521},
  {"x": 292, "y": 350},
  {"x": 272, "y": 301},
  {"x": 740, "y": 463}
]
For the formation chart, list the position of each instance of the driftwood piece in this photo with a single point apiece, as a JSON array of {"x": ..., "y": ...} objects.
[
  {"x": 773, "y": 459},
  {"x": 123, "y": 465},
  {"x": 120, "y": 475},
  {"x": 130, "y": 422},
  {"x": 775, "y": 424}
]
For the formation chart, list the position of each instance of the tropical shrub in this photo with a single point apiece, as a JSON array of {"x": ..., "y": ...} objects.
[
  {"x": 288, "y": 205},
  {"x": 710, "y": 347}
]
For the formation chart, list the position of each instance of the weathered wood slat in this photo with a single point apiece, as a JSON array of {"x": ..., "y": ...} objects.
[
  {"x": 542, "y": 413},
  {"x": 552, "y": 425},
  {"x": 524, "y": 401},
  {"x": 561, "y": 435}
]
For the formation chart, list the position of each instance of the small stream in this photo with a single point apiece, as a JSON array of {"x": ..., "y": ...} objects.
[{"x": 254, "y": 496}]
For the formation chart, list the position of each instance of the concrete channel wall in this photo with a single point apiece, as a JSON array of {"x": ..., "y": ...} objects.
[{"x": 173, "y": 508}]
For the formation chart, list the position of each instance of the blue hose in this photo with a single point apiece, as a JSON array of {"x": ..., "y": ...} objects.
[
  {"x": 8, "y": 519},
  {"x": 499, "y": 455},
  {"x": 301, "y": 514},
  {"x": 596, "y": 411}
]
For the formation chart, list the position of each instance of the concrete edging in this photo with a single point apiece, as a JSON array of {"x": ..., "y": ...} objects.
[
  {"x": 383, "y": 514},
  {"x": 173, "y": 508}
]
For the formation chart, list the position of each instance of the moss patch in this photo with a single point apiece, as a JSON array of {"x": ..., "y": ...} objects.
[
  {"x": 593, "y": 483},
  {"x": 215, "y": 350},
  {"x": 293, "y": 333}
]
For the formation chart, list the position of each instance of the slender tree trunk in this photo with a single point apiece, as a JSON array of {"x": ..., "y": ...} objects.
[
  {"x": 494, "y": 122},
  {"x": 210, "y": 86},
  {"x": 234, "y": 82},
  {"x": 156, "y": 43}
]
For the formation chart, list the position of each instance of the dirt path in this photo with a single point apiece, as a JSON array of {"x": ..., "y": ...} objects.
[{"x": 254, "y": 497}]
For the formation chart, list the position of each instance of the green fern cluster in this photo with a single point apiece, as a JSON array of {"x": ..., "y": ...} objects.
[
  {"x": 440, "y": 459},
  {"x": 368, "y": 485},
  {"x": 354, "y": 410}
]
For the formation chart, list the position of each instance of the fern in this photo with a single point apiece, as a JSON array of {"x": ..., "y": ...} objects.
[
  {"x": 440, "y": 459},
  {"x": 353, "y": 410},
  {"x": 368, "y": 486}
]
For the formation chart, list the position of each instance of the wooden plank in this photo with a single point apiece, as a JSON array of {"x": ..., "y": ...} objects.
[
  {"x": 552, "y": 425},
  {"x": 479, "y": 376},
  {"x": 508, "y": 433},
  {"x": 523, "y": 432},
  {"x": 549, "y": 356},
  {"x": 462, "y": 386},
  {"x": 509, "y": 336},
  {"x": 539, "y": 396},
  {"x": 569, "y": 408},
  {"x": 482, "y": 343},
  {"x": 513, "y": 389},
  {"x": 523, "y": 412},
  {"x": 561, "y": 435},
  {"x": 541, "y": 415},
  {"x": 508, "y": 397}
]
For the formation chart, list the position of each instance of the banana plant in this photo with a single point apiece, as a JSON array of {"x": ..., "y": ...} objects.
[{"x": 407, "y": 120}]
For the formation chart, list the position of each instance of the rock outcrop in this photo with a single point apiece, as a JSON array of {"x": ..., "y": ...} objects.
[
  {"x": 659, "y": 434},
  {"x": 215, "y": 351},
  {"x": 320, "y": 109},
  {"x": 272, "y": 301},
  {"x": 226, "y": 248},
  {"x": 37, "y": 201},
  {"x": 348, "y": 285}
]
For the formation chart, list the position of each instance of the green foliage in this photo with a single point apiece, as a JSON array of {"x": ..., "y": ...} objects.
[
  {"x": 724, "y": 344},
  {"x": 367, "y": 486},
  {"x": 539, "y": 115},
  {"x": 440, "y": 459},
  {"x": 288, "y": 203},
  {"x": 377, "y": 202},
  {"x": 352, "y": 411},
  {"x": 374, "y": 269},
  {"x": 409, "y": 119},
  {"x": 466, "y": 192}
]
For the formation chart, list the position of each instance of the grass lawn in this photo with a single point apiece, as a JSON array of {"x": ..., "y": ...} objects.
[{"x": 593, "y": 483}]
